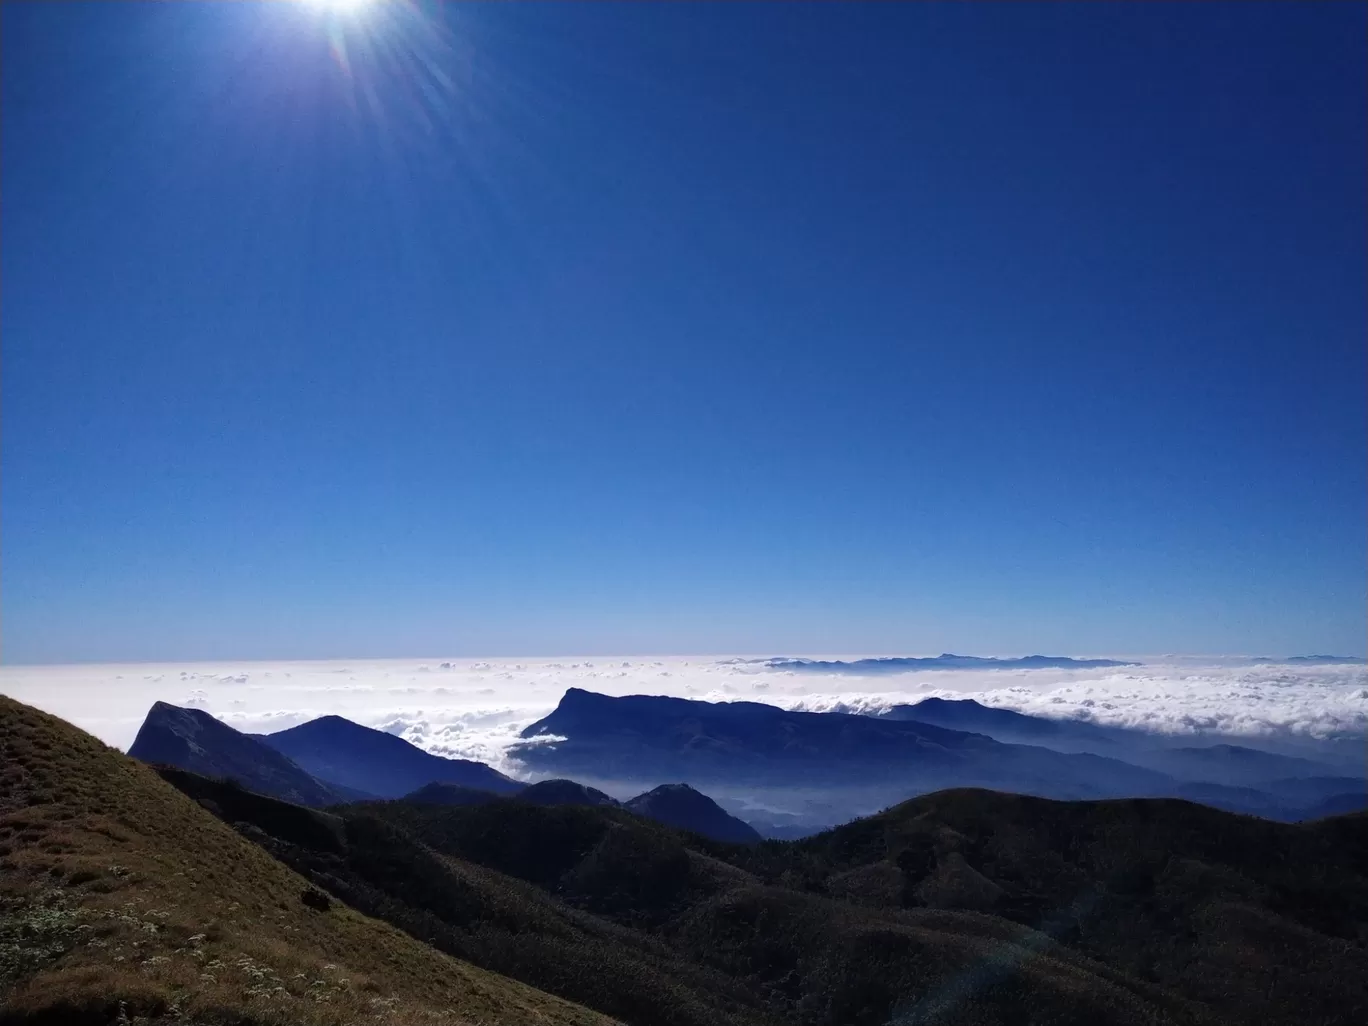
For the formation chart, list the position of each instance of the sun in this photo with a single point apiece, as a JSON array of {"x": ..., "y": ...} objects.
[{"x": 341, "y": 6}]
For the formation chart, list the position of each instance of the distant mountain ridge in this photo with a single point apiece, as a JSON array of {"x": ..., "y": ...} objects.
[
  {"x": 1007, "y": 724},
  {"x": 640, "y": 737},
  {"x": 944, "y": 661},
  {"x": 1287, "y": 784},
  {"x": 777, "y": 757},
  {"x": 193, "y": 739},
  {"x": 338, "y": 750}
]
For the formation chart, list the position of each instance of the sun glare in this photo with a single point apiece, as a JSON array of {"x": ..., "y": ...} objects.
[{"x": 341, "y": 6}]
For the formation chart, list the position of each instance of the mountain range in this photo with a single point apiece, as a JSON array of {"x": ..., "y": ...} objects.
[
  {"x": 816, "y": 764},
  {"x": 160, "y": 896},
  {"x": 944, "y": 661},
  {"x": 361, "y": 763},
  {"x": 776, "y": 772},
  {"x": 194, "y": 740}
]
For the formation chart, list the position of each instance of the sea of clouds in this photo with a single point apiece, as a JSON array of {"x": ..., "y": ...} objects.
[{"x": 474, "y": 709}]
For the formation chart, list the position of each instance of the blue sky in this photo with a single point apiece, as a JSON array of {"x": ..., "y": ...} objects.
[{"x": 647, "y": 328}]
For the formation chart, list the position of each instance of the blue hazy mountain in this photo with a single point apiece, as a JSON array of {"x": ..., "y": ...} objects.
[
  {"x": 680, "y": 806},
  {"x": 755, "y": 755},
  {"x": 381, "y": 764},
  {"x": 1337, "y": 805},
  {"x": 1238, "y": 778},
  {"x": 944, "y": 661},
  {"x": 1011, "y": 726},
  {"x": 1327, "y": 660},
  {"x": 644, "y": 737},
  {"x": 191, "y": 739},
  {"x": 1239, "y": 766}
]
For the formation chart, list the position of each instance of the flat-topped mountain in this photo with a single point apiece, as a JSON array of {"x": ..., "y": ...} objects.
[
  {"x": 644, "y": 737},
  {"x": 338, "y": 750},
  {"x": 194, "y": 740}
]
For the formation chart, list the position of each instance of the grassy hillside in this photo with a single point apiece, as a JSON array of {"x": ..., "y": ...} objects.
[{"x": 120, "y": 896}]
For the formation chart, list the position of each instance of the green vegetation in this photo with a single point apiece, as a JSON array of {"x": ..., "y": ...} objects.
[{"x": 123, "y": 899}]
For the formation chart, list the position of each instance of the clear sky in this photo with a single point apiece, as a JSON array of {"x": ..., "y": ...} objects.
[{"x": 516, "y": 329}]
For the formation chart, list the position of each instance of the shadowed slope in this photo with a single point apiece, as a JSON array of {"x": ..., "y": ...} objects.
[
  {"x": 493, "y": 920},
  {"x": 450, "y": 794},
  {"x": 117, "y": 892},
  {"x": 802, "y": 956},
  {"x": 1259, "y": 921}
]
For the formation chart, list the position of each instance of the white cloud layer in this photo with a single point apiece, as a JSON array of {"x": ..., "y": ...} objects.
[{"x": 474, "y": 708}]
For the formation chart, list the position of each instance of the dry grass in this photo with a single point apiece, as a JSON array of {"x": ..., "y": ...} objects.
[{"x": 121, "y": 898}]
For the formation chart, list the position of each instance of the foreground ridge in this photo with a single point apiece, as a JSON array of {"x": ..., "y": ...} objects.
[{"x": 122, "y": 897}]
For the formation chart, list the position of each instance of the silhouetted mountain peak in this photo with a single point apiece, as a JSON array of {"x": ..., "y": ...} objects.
[
  {"x": 378, "y": 762},
  {"x": 194, "y": 740},
  {"x": 679, "y": 805}
]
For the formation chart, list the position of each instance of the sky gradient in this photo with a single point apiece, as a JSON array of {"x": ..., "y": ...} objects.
[{"x": 554, "y": 329}]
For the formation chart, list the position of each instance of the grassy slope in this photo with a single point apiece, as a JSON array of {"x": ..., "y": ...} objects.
[{"x": 118, "y": 892}]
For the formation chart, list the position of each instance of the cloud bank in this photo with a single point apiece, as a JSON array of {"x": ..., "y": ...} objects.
[{"x": 474, "y": 709}]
